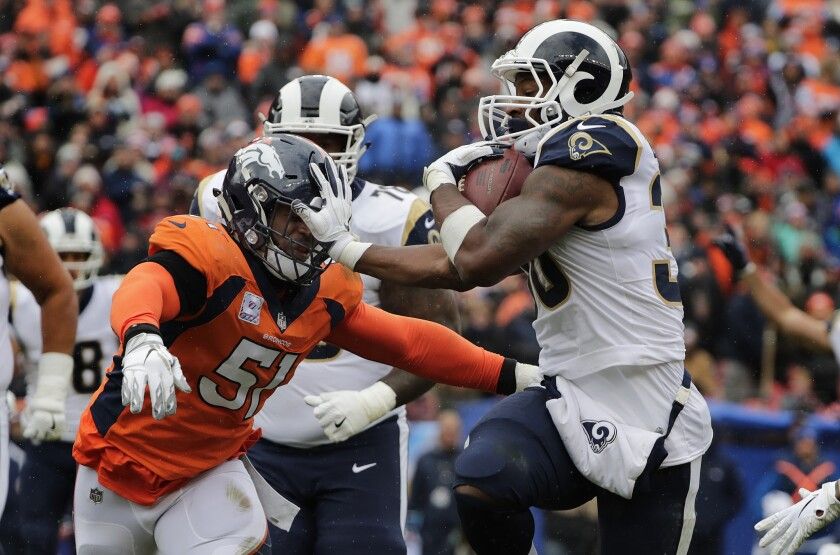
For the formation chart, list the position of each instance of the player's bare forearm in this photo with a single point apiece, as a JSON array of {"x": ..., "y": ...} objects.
[
  {"x": 775, "y": 305},
  {"x": 30, "y": 258},
  {"x": 416, "y": 265},
  {"x": 436, "y": 305},
  {"x": 553, "y": 199}
]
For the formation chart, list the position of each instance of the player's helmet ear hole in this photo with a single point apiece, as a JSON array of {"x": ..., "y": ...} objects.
[{"x": 820, "y": 513}]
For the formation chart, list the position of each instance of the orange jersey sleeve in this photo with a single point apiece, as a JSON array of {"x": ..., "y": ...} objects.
[
  {"x": 147, "y": 295},
  {"x": 424, "y": 348}
]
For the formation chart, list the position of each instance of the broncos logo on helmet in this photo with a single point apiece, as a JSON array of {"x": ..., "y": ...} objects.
[{"x": 260, "y": 153}]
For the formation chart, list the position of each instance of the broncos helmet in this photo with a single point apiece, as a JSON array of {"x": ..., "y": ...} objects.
[
  {"x": 268, "y": 173},
  {"x": 321, "y": 104},
  {"x": 72, "y": 232},
  {"x": 587, "y": 72}
]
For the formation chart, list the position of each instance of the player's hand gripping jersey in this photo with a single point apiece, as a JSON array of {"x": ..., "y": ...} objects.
[{"x": 220, "y": 314}]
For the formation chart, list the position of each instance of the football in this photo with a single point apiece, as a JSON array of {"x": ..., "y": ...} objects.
[{"x": 495, "y": 180}]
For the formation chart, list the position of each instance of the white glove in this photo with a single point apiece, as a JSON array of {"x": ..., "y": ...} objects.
[
  {"x": 453, "y": 165},
  {"x": 789, "y": 528},
  {"x": 147, "y": 361},
  {"x": 343, "y": 414},
  {"x": 331, "y": 224},
  {"x": 527, "y": 375},
  {"x": 44, "y": 417}
]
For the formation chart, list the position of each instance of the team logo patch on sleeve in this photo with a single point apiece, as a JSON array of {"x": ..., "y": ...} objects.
[
  {"x": 249, "y": 310},
  {"x": 600, "y": 433},
  {"x": 581, "y": 145}
]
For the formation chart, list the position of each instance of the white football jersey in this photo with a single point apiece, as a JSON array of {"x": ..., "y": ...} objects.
[
  {"x": 387, "y": 216},
  {"x": 607, "y": 296},
  {"x": 95, "y": 345}
]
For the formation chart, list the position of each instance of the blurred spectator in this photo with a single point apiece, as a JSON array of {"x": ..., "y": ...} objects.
[
  {"x": 400, "y": 147},
  {"x": 803, "y": 467},
  {"x": 332, "y": 51},
  {"x": 212, "y": 44},
  {"x": 432, "y": 510},
  {"x": 220, "y": 99}
]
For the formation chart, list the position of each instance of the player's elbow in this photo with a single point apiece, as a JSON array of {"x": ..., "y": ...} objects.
[{"x": 474, "y": 271}]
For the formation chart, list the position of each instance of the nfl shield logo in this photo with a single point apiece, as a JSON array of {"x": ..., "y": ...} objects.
[
  {"x": 96, "y": 495},
  {"x": 281, "y": 321}
]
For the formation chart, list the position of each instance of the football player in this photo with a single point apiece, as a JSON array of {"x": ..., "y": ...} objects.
[
  {"x": 297, "y": 456},
  {"x": 224, "y": 313},
  {"x": 26, "y": 254},
  {"x": 48, "y": 473},
  {"x": 618, "y": 418}
]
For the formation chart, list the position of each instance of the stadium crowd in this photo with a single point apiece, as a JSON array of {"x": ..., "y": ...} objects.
[{"x": 120, "y": 108}]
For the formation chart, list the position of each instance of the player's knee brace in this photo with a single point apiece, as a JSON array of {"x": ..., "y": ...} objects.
[{"x": 492, "y": 529}]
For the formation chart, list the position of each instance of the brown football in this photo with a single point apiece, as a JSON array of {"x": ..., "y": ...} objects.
[{"x": 495, "y": 180}]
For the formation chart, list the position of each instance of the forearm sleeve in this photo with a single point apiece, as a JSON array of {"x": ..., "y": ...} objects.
[
  {"x": 423, "y": 348},
  {"x": 147, "y": 295}
]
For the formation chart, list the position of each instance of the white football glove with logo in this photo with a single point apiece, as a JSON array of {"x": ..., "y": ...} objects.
[
  {"x": 44, "y": 417},
  {"x": 788, "y": 529},
  {"x": 147, "y": 362},
  {"x": 331, "y": 223},
  {"x": 453, "y": 165},
  {"x": 343, "y": 414}
]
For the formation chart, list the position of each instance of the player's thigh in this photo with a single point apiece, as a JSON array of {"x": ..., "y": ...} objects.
[
  {"x": 361, "y": 505},
  {"x": 217, "y": 513},
  {"x": 106, "y": 523},
  {"x": 659, "y": 521},
  {"x": 515, "y": 456}
]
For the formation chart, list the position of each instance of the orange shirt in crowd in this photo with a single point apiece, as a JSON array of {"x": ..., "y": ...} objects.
[{"x": 342, "y": 57}]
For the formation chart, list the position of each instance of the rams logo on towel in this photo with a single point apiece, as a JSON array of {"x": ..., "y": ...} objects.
[{"x": 600, "y": 433}]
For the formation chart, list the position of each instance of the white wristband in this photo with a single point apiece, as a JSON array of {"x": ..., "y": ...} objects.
[
  {"x": 351, "y": 253},
  {"x": 455, "y": 227},
  {"x": 434, "y": 178},
  {"x": 54, "y": 373},
  {"x": 59, "y": 365},
  {"x": 378, "y": 399}
]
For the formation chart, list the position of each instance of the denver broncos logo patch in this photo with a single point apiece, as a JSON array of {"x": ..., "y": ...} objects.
[
  {"x": 581, "y": 145},
  {"x": 600, "y": 433}
]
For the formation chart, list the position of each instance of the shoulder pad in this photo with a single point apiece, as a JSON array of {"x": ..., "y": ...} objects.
[
  {"x": 343, "y": 286},
  {"x": 420, "y": 225},
  {"x": 202, "y": 244},
  {"x": 603, "y": 145},
  {"x": 204, "y": 202}
]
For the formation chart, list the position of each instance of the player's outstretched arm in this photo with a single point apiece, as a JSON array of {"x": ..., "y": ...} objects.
[
  {"x": 429, "y": 350},
  {"x": 788, "y": 529},
  {"x": 147, "y": 297},
  {"x": 772, "y": 302},
  {"x": 398, "y": 387},
  {"x": 481, "y": 251},
  {"x": 29, "y": 256}
]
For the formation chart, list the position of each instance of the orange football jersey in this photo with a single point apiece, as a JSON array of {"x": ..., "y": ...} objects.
[{"x": 241, "y": 345}]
